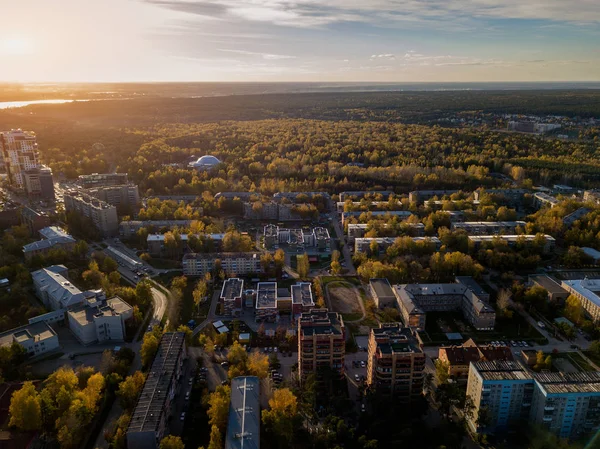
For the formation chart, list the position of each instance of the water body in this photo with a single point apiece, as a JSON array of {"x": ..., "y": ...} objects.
[{"x": 20, "y": 104}]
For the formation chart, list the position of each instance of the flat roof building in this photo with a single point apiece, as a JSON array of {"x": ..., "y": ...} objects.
[
  {"x": 97, "y": 321},
  {"x": 556, "y": 293},
  {"x": 460, "y": 357},
  {"x": 396, "y": 362},
  {"x": 150, "y": 418},
  {"x": 488, "y": 227},
  {"x": 231, "y": 296},
  {"x": 302, "y": 298},
  {"x": 382, "y": 293},
  {"x": 541, "y": 199},
  {"x": 102, "y": 214},
  {"x": 101, "y": 180},
  {"x": 363, "y": 245},
  {"x": 243, "y": 426},
  {"x": 128, "y": 229},
  {"x": 321, "y": 342},
  {"x": 513, "y": 240},
  {"x": 239, "y": 264},
  {"x": 36, "y": 339}
]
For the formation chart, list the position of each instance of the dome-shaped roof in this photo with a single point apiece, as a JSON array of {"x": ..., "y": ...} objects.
[{"x": 206, "y": 161}]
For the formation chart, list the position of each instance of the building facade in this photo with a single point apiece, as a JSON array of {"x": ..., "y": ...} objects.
[
  {"x": 103, "y": 215},
  {"x": 513, "y": 240},
  {"x": 460, "y": 357},
  {"x": 396, "y": 362},
  {"x": 231, "y": 296},
  {"x": 382, "y": 293},
  {"x": 101, "y": 180},
  {"x": 363, "y": 245},
  {"x": 198, "y": 264},
  {"x": 123, "y": 195},
  {"x": 53, "y": 237},
  {"x": 489, "y": 227},
  {"x": 37, "y": 339},
  {"x": 99, "y": 321},
  {"x": 39, "y": 183},
  {"x": 20, "y": 153},
  {"x": 588, "y": 293},
  {"x": 321, "y": 342}
]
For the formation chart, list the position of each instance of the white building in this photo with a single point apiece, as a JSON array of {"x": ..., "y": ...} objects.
[
  {"x": 37, "y": 339},
  {"x": 99, "y": 321},
  {"x": 198, "y": 264},
  {"x": 56, "y": 291},
  {"x": 52, "y": 237},
  {"x": 19, "y": 153},
  {"x": 588, "y": 293}
]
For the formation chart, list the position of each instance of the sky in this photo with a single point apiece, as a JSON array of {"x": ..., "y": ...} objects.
[{"x": 300, "y": 40}]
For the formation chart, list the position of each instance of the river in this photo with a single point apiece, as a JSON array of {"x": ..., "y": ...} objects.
[{"x": 20, "y": 104}]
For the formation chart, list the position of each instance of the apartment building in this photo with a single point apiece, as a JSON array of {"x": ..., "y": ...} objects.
[
  {"x": 295, "y": 196},
  {"x": 20, "y": 153},
  {"x": 415, "y": 300},
  {"x": 129, "y": 228},
  {"x": 34, "y": 220},
  {"x": 53, "y": 237},
  {"x": 198, "y": 264},
  {"x": 588, "y": 293},
  {"x": 358, "y": 230},
  {"x": 460, "y": 357},
  {"x": 377, "y": 205},
  {"x": 231, "y": 296},
  {"x": 122, "y": 195},
  {"x": 261, "y": 210},
  {"x": 513, "y": 240},
  {"x": 511, "y": 195},
  {"x": 270, "y": 302},
  {"x": 556, "y": 293},
  {"x": 102, "y": 180},
  {"x": 382, "y": 293},
  {"x": 502, "y": 393},
  {"x": 156, "y": 242},
  {"x": 574, "y": 216},
  {"x": 243, "y": 425},
  {"x": 99, "y": 321},
  {"x": 420, "y": 196},
  {"x": 37, "y": 339},
  {"x": 153, "y": 411},
  {"x": 567, "y": 404},
  {"x": 541, "y": 199},
  {"x": 317, "y": 238},
  {"x": 488, "y": 227},
  {"x": 592, "y": 195},
  {"x": 359, "y": 194},
  {"x": 402, "y": 214},
  {"x": 302, "y": 299},
  {"x": 396, "y": 362},
  {"x": 39, "y": 183},
  {"x": 103, "y": 215},
  {"x": 363, "y": 245},
  {"x": 321, "y": 342}
]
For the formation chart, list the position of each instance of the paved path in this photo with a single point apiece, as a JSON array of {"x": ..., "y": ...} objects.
[{"x": 339, "y": 232}]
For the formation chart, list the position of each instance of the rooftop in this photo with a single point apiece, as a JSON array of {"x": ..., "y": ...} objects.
[
  {"x": 159, "y": 382},
  {"x": 557, "y": 383},
  {"x": 320, "y": 322},
  {"x": 232, "y": 288},
  {"x": 588, "y": 288},
  {"x": 394, "y": 338},
  {"x": 501, "y": 370},
  {"x": 85, "y": 313},
  {"x": 203, "y": 256},
  {"x": 37, "y": 332},
  {"x": 302, "y": 294},
  {"x": 382, "y": 287},
  {"x": 266, "y": 295},
  {"x": 548, "y": 283}
]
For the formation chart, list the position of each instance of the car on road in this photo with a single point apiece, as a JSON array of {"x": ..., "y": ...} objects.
[
  {"x": 190, "y": 381},
  {"x": 362, "y": 364},
  {"x": 182, "y": 417},
  {"x": 357, "y": 377},
  {"x": 363, "y": 408},
  {"x": 187, "y": 396},
  {"x": 224, "y": 364}
]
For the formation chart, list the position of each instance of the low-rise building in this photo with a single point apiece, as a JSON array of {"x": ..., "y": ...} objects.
[
  {"x": 574, "y": 216},
  {"x": 415, "y": 300},
  {"x": 99, "y": 321},
  {"x": 489, "y": 227},
  {"x": 231, "y": 296},
  {"x": 592, "y": 195},
  {"x": 556, "y": 293},
  {"x": 198, "y": 264},
  {"x": 321, "y": 342},
  {"x": 150, "y": 419},
  {"x": 567, "y": 404},
  {"x": 396, "y": 362},
  {"x": 420, "y": 196},
  {"x": 592, "y": 253},
  {"x": 129, "y": 228},
  {"x": 103, "y": 215},
  {"x": 56, "y": 291},
  {"x": 243, "y": 425},
  {"x": 358, "y": 230},
  {"x": 359, "y": 194},
  {"x": 460, "y": 357},
  {"x": 541, "y": 199},
  {"x": 302, "y": 299},
  {"x": 156, "y": 242},
  {"x": 261, "y": 210},
  {"x": 382, "y": 293},
  {"x": 53, "y": 237},
  {"x": 501, "y": 392},
  {"x": 36, "y": 339},
  {"x": 512, "y": 195},
  {"x": 266, "y": 302},
  {"x": 317, "y": 238},
  {"x": 34, "y": 220},
  {"x": 588, "y": 293},
  {"x": 363, "y": 245},
  {"x": 122, "y": 195},
  {"x": 513, "y": 240},
  {"x": 403, "y": 214}
]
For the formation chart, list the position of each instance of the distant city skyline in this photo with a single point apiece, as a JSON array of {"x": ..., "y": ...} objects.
[{"x": 300, "y": 40}]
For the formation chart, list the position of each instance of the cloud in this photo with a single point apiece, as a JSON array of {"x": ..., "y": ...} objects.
[
  {"x": 268, "y": 56},
  {"x": 388, "y": 56},
  {"x": 448, "y": 13}
]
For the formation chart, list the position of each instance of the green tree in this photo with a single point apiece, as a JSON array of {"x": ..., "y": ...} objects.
[
  {"x": 218, "y": 407},
  {"x": 171, "y": 442},
  {"x": 303, "y": 266},
  {"x": 283, "y": 410},
  {"x": 216, "y": 440},
  {"x": 25, "y": 408},
  {"x": 200, "y": 292}
]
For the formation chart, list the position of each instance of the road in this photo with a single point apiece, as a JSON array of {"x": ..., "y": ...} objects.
[
  {"x": 339, "y": 233},
  {"x": 212, "y": 312}
]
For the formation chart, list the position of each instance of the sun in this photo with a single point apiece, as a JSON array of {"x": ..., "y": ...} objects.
[{"x": 15, "y": 46}]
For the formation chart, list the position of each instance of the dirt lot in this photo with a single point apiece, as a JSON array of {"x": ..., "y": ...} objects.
[{"x": 344, "y": 298}]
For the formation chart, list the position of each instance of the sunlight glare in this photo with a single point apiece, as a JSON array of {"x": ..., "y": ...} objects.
[{"x": 15, "y": 46}]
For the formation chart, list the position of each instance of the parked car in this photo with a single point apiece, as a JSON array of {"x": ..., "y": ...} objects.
[
  {"x": 357, "y": 377},
  {"x": 224, "y": 364},
  {"x": 187, "y": 396},
  {"x": 182, "y": 417}
]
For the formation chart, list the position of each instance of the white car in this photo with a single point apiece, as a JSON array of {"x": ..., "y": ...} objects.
[{"x": 182, "y": 417}]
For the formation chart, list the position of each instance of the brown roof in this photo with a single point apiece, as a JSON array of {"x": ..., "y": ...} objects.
[{"x": 471, "y": 352}]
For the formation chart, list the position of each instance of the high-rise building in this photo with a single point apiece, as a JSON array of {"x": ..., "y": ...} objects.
[
  {"x": 19, "y": 152},
  {"x": 396, "y": 362},
  {"x": 126, "y": 195},
  {"x": 39, "y": 183},
  {"x": 103, "y": 215},
  {"x": 102, "y": 179},
  {"x": 321, "y": 342},
  {"x": 567, "y": 404},
  {"x": 501, "y": 392}
]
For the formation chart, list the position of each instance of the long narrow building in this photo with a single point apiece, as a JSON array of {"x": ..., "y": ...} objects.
[{"x": 243, "y": 427}]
